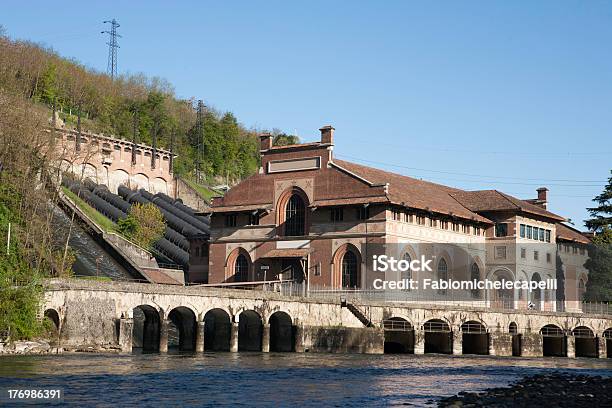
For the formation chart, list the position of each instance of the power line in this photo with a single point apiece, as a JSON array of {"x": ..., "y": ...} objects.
[
  {"x": 513, "y": 153},
  {"x": 111, "y": 67},
  {"x": 454, "y": 173}
]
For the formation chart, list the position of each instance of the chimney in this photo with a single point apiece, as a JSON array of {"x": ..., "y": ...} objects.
[
  {"x": 327, "y": 134},
  {"x": 265, "y": 141},
  {"x": 543, "y": 197}
]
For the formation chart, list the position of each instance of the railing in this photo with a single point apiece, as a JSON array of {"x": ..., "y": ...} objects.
[{"x": 455, "y": 298}]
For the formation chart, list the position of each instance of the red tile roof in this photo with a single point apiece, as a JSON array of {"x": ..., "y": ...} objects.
[
  {"x": 493, "y": 200},
  {"x": 414, "y": 193},
  {"x": 567, "y": 233}
]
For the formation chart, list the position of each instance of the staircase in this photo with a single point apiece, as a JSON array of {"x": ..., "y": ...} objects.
[{"x": 359, "y": 314}]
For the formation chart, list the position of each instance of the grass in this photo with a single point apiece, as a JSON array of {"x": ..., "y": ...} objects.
[
  {"x": 95, "y": 278},
  {"x": 97, "y": 217},
  {"x": 205, "y": 192}
]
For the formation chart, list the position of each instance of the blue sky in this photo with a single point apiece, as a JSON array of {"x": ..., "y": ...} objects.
[{"x": 476, "y": 95}]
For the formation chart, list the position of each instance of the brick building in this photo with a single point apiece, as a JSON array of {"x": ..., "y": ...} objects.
[{"x": 309, "y": 217}]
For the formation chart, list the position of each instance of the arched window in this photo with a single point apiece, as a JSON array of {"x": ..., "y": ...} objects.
[
  {"x": 442, "y": 273},
  {"x": 349, "y": 270},
  {"x": 407, "y": 274},
  {"x": 295, "y": 216},
  {"x": 241, "y": 269},
  {"x": 475, "y": 276}
]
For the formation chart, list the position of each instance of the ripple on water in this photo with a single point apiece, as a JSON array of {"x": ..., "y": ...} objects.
[{"x": 273, "y": 379}]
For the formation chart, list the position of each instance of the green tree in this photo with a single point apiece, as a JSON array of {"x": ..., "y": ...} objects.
[
  {"x": 601, "y": 215},
  {"x": 599, "y": 264},
  {"x": 144, "y": 225},
  {"x": 283, "y": 139}
]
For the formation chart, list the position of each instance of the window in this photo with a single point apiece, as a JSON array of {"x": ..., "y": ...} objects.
[
  {"x": 548, "y": 257},
  {"x": 442, "y": 273},
  {"x": 475, "y": 276},
  {"x": 529, "y": 231},
  {"x": 575, "y": 250},
  {"x": 230, "y": 220},
  {"x": 523, "y": 253},
  {"x": 337, "y": 214},
  {"x": 295, "y": 216},
  {"x": 241, "y": 269},
  {"x": 317, "y": 269},
  {"x": 396, "y": 215},
  {"x": 500, "y": 252},
  {"x": 501, "y": 230},
  {"x": 444, "y": 225},
  {"x": 407, "y": 274},
  {"x": 254, "y": 219},
  {"x": 431, "y": 222},
  {"x": 363, "y": 213},
  {"x": 581, "y": 251},
  {"x": 522, "y": 230},
  {"x": 409, "y": 218},
  {"x": 197, "y": 252},
  {"x": 455, "y": 227},
  {"x": 535, "y": 233},
  {"x": 476, "y": 230},
  {"x": 547, "y": 235},
  {"x": 465, "y": 228},
  {"x": 349, "y": 270},
  {"x": 542, "y": 234},
  {"x": 420, "y": 220},
  {"x": 536, "y": 255}
]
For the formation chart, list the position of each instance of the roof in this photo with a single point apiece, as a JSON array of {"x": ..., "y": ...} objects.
[
  {"x": 414, "y": 193},
  {"x": 567, "y": 233},
  {"x": 493, "y": 200}
]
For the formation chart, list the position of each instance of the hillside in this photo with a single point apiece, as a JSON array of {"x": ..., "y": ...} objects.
[{"x": 229, "y": 150}]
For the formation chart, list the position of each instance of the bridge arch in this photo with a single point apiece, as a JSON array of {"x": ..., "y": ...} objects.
[
  {"x": 554, "y": 341},
  {"x": 474, "y": 338},
  {"x": 607, "y": 337},
  {"x": 438, "y": 337},
  {"x": 118, "y": 177},
  {"x": 250, "y": 331},
  {"x": 146, "y": 328},
  {"x": 585, "y": 342},
  {"x": 182, "y": 333},
  {"x": 399, "y": 336},
  {"x": 217, "y": 330},
  {"x": 516, "y": 339},
  {"x": 53, "y": 316},
  {"x": 282, "y": 333}
]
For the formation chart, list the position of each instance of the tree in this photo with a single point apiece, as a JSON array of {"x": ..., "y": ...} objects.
[
  {"x": 599, "y": 264},
  {"x": 602, "y": 214},
  {"x": 283, "y": 139},
  {"x": 144, "y": 225}
]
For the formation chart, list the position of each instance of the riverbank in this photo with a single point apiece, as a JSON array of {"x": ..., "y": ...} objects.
[
  {"x": 555, "y": 389},
  {"x": 43, "y": 347}
]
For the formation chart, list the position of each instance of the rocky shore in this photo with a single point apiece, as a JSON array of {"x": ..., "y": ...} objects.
[
  {"x": 553, "y": 390},
  {"x": 39, "y": 347}
]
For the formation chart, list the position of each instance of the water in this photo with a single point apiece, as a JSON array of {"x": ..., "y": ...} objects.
[
  {"x": 91, "y": 259},
  {"x": 274, "y": 379}
]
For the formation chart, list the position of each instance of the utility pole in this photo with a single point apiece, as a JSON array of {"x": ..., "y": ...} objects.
[
  {"x": 111, "y": 67},
  {"x": 200, "y": 135}
]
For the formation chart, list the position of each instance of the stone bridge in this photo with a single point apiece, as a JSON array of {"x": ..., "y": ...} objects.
[{"x": 158, "y": 317}]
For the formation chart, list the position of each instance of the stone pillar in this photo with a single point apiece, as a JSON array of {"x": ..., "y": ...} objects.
[
  {"x": 199, "y": 346},
  {"x": 457, "y": 337},
  {"x": 532, "y": 345},
  {"x": 163, "y": 336},
  {"x": 571, "y": 346},
  {"x": 419, "y": 342},
  {"x": 500, "y": 344},
  {"x": 602, "y": 346},
  {"x": 265, "y": 338},
  {"x": 299, "y": 338},
  {"x": 234, "y": 338},
  {"x": 125, "y": 334}
]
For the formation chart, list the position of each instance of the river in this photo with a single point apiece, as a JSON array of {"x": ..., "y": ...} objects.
[{"x": 274, "y": 379}]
